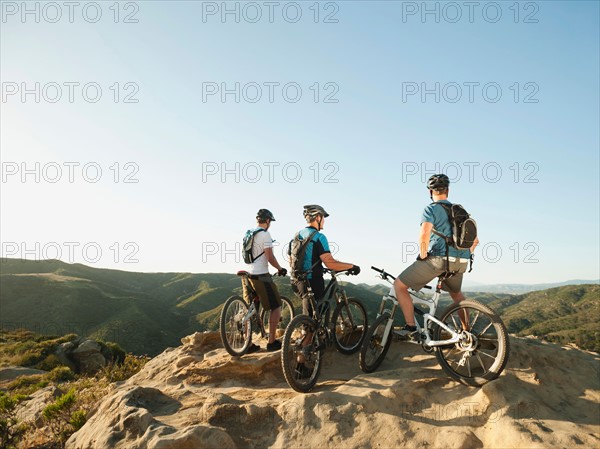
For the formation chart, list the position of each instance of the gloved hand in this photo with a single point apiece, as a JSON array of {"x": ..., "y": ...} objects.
[
  {"x": 282, "y": 272},
  {"x": 354, "y": 270}
]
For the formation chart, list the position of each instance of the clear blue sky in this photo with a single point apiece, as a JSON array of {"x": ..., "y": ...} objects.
[{"x": 378, "y": 141}]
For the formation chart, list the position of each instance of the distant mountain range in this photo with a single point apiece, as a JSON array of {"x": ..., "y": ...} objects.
[
  {"x": 521, "y": 288},
  {"x": 147, "y": 312}
]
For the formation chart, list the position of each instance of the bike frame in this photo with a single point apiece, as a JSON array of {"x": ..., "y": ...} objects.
[
  {"x": 427, "y": 317},
  {"x": 333, "y": 286}
]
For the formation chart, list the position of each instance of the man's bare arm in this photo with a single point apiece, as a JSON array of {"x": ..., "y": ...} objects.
[
  {"x": 424, "y": 237},
  {"x": 270, "y": 255},
  {"x": 333, "y": 264}
]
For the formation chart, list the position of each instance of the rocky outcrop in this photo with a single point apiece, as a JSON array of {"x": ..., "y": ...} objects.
[
  {"x": 196, "y": 395},
  {"x": 88, "y": 357},
  {"x": 81, "y": 355},
  {"x": 9, "y": 373}
]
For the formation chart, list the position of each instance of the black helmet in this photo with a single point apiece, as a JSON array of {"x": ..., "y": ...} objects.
[
  {"x": 438, "y": 182},
  {"x": 312, "y": 210},
  {"x": 265, "y": 214}
]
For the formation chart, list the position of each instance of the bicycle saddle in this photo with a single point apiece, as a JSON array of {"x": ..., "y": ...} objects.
[{"x": 242, "y": 273}]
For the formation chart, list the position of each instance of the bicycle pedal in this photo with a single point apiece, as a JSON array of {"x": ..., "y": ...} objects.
[{"x": 321, "y": 347}]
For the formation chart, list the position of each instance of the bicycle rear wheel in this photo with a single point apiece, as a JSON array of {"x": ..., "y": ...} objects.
[
  {"x": 287, "y": 314},
  {"x": 482, "y": 353},
  {"x": 235, "y": 335},
  {"x": 300, "y": 356},
  {"x": 374, "y": 349},
  {"x": 350, "y": 320}
]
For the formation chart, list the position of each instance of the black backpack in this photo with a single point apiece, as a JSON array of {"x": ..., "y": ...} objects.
[
  {"x": 297, "y": 252},
  {"x": 464, "y": 228},
  {"x": 248, "y": 243}
]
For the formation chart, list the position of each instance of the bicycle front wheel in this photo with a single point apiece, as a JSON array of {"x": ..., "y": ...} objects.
[
  {"x": 287, "y": 314},
  {"x": 300, "y": 354},
  {"x": 482, "y": 352},
  {"x": 375, "y": 348},
  {"x": 235, "y": 335},
  {"x": 350, "y": 320}
]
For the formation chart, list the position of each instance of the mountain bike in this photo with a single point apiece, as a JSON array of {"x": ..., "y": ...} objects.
[
  {"x": 240, "y": 319},
  {"x": 469, "y": 340},
  {"x": 306, "y": 337}
]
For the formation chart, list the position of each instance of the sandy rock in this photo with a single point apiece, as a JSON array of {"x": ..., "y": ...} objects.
[
  {"x": 197, "y": 395},
  {"x": 12, "y": 372},
  {"x": 30, "y": 411}
]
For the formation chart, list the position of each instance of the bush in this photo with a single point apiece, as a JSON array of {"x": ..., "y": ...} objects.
[
  {"x": 132, "y": 364},
  {"x": 49, "y": 363},
  {"x": 61, "y": 374},
  {"x": 62, "y": 419},
  {"x": 117, "y": 353},
  {"x": 11, "y": 430},
  {"x": 78, "y": 419},
  {"x": 27, "y": 384}
]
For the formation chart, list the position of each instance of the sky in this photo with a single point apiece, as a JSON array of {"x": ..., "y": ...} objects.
[{"x": 145, "y": 136}]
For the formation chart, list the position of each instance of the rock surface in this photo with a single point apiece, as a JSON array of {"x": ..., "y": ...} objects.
[
  {"x": 197, "y": 396},
  {"x": 9, "y": 373}
]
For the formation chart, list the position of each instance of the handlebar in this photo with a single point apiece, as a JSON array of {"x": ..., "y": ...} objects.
[
  {"x": 334, "y": 272},
  {"x": 384, "y": 275}
]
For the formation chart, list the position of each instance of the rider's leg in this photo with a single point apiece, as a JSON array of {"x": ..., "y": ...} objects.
[
  {"x": 405, "y": 301},
  {"x": 273, "y": 323},
  {"x": 315, "y": 291},
  {"x": 453, "y": 286},
  {"x": 457, "y": 297}
]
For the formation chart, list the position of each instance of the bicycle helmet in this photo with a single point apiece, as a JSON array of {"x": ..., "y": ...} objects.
[
  {"x": 264, "y": 214},
  {"x": 312, "y": 210},
  {"x": 437, "y": 182}
]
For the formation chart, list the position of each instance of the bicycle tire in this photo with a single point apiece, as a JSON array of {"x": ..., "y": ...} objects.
[
  {"x": 292, "y": 348},
  {"x": 235, "y": 340},
  {"x": 373, "y": 349},
  {"x": 351, "y": 326},
  {"x": 287, "y": 315},
  {"x": 493, "y": 344}
]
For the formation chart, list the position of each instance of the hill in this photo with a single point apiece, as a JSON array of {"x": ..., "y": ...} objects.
[
  {"x": 516, "y": 289},
  {"x": 562, "y": 314},
  {"x": 147, "y": 312}
]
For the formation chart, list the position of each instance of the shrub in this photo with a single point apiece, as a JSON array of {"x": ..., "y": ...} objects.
[
  {"x": 61, "y": 374},
  {"x": 78, "y": 419},
  {"x": 62, "y": 419},
  {"x": 117, "y": 353},
  {"x": 11, "y": 430},
  {"x": 49, "y": 363},
  {"x": 132, "y": 364},
  {"x": 27, "y": 384}
]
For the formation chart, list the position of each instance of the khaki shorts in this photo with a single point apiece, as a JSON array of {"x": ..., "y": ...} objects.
[
  {"x": 421, "y": 272},
  {"x": 266, "y": 290}
]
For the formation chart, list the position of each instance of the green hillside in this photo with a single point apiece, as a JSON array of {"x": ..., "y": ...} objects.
[
  {"x": 147, "y": 312},
  {"x": 564, "y": 314}
]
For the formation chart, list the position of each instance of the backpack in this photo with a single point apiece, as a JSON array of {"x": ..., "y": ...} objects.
[
  {"x": 464, "y": 228},
  {"x": 247, "y": 245},
  {"x": 297, "y": 252}
]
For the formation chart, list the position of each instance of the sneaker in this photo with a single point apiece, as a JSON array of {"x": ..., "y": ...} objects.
[
  {"x": 253, "y": 348},
  {"x": 407, "y": 332},
  {"x": 275, "y": 346},
  {"x": 302, "y": 372}
]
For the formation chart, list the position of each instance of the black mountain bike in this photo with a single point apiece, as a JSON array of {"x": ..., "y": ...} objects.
[
  {"x": 306, "y": 337},
  {"x": 239, "y": 320}
]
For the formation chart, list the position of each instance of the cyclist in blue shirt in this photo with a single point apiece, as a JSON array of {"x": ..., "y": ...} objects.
[
  {"x": 431, "y": 261},
  {"x": 317, "y": 253}
]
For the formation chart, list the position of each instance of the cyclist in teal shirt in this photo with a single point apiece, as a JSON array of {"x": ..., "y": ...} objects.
[{"x": 431, "y": 261}]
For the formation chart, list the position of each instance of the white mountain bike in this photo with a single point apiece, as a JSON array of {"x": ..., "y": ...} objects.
[{"x": 469, "y": 340}]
